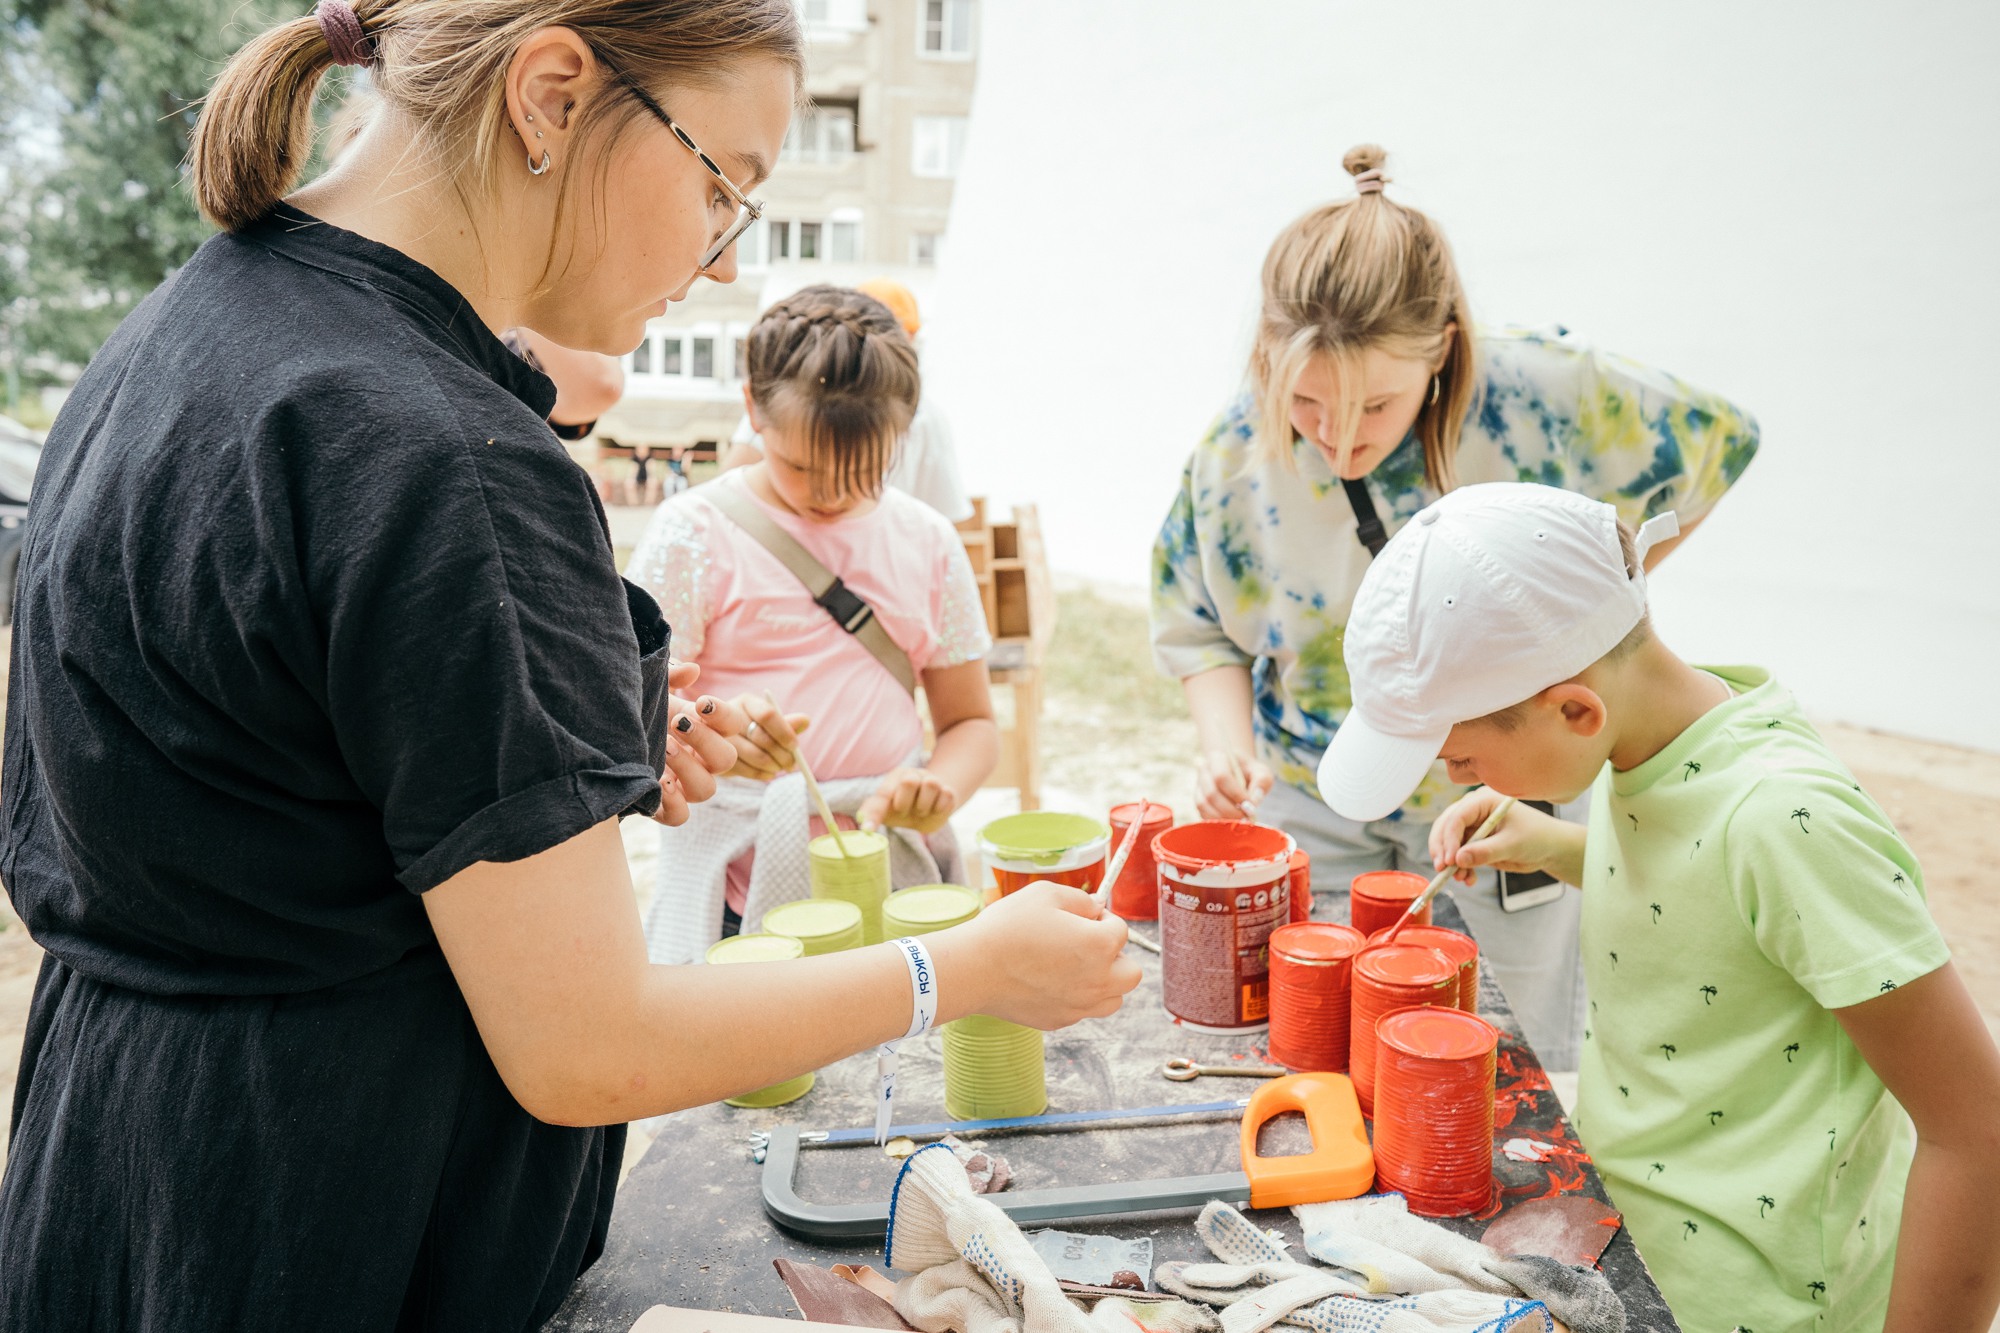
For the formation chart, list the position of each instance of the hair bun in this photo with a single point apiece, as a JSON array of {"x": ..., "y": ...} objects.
[{"x": 1364, "y": 157}]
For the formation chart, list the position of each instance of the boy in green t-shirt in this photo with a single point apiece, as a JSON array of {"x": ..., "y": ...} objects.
[{"x": 1759, "y": 956}]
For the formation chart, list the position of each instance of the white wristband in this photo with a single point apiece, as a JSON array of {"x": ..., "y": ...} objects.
[
  {"x": 923, "y": 1013},
  {"x": 923, "y": 986}
]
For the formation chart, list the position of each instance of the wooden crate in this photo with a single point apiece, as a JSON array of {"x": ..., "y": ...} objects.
[{"x": 1011, "y": 565}]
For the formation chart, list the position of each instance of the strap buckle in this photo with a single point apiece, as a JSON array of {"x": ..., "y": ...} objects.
[{"x": 845, "y": 606}]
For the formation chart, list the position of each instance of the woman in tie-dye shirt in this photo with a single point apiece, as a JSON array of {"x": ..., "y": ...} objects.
[{"x": 1367, "y": 366}]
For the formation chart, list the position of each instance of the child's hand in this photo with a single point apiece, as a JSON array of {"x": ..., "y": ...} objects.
[
  {"x": 1229, "y": 785},
  {"x": 913, "y": 798},
  {"x": 768, "y": 746},
  {"x": 1526, "y": 841}
]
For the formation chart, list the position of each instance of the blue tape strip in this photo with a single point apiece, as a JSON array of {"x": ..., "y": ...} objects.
[{"x": 1058, "y": 1118}]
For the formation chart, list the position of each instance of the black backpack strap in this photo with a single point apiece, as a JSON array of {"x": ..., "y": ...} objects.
[{"x": 1367, "y": 526}]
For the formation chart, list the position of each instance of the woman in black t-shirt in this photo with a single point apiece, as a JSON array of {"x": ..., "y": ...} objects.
[{"x": 327, "y": 699}]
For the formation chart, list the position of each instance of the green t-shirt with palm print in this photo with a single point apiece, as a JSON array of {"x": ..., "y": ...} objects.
[{"x": 1738, "y": 886}]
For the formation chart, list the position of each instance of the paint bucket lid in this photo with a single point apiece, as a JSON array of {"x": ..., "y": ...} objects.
[
  {"x": 926, "y": 907},
  {"x": 1043, "y": 841},
  {"x": 1224, "y": 853},
  {"x": 1143, "y": 813},
  {"x": 859, "y": 843},
  {"x": 1406, "y": 965},
  {"x": 755, "y": 949},
  {"x": 1438, "y": 1034},
  {"x": 813, "y": 920},
  {"x": 1389, "y": 885},
  {"x": 1316, "y": 942}
]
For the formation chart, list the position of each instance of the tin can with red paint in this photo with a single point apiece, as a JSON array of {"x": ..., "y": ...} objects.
[
  {"x": 1223, "y": 889},
  {"x": 1460, "y": 948},
  {"x": 1301, "y": 886},
  {"x": 1388, "y": 977},
  {"x": 1312, "y": 973},
  {"x": 1379, "y": 898},
  {"x": 1434, "y": 1109},
  {"x": 1136, "y": 894}
]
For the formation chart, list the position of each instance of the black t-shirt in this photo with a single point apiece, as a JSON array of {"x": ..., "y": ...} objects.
[{"x": 313, "y": 613}]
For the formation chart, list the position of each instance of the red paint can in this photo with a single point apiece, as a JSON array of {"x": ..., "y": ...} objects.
[
  {"x": 1223, "y": 889},
  {"x": 1136, "y": 895},
  {"x": 1312, "y": 973},
  {"x": 1434, "y": 1110},
  {"x": 1376, "y": 900},
  {"x": 1301, "y": 886},
  {"x": 1455, "y": 945},
  {"x": 1388, "y": 977}
]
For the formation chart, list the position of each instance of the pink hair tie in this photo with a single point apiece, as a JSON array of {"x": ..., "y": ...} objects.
[
  {"x": 1370, "y": 181},
  {"x": 344, "y": 35}
]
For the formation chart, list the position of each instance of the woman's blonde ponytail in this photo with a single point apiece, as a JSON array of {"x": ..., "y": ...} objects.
[{"x": 256, "y": 126}]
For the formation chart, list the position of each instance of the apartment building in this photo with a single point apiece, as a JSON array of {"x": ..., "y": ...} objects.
[{"x": 862, "y": 189}]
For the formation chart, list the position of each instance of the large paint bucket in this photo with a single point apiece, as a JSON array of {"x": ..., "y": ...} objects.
[
  {"x": 1223, "y": 890},
  {"x": 1434, "y": 1110},
  {"x": 853, "y": 868},
  {"x": 1064, "y": 849},
  {"x": 763, "y": 949},
  {"x": 1380, "y": 898},
  {"x": 1136, "y": 895}
]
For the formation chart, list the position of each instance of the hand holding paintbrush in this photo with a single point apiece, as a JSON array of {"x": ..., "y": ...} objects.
[{"x": 1422, "y": 900}]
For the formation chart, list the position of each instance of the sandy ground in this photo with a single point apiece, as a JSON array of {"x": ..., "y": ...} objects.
[{"x": 1113, "y": 731}]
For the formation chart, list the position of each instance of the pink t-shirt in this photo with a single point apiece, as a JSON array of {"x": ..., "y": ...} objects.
[{"x": 752, "y": 626}]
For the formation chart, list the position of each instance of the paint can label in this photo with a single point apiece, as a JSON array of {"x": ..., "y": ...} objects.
[{"x": 1215, "y": 962}]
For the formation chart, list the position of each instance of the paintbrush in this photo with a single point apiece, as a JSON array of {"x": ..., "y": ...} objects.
[
  {"x": 1117, "y": 865},
  {"x": 1422, "y": 900},
  {"x": 819, "y": 797},
  {"x": 1248, "y": 804}
]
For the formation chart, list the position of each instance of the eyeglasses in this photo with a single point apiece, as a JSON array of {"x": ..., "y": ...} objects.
[{"x": 748, "y": 210}]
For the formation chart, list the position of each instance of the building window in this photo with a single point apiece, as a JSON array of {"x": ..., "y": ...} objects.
[
  {"x": 670, "y": 356},
  {"x": 937, "y": 143},
  {"x": 809, "y": 240},
  {"x": 946, "y": 30},
  {"x": 750, "y": 246},
  {"x": 780, "y": 238},
  {"x": 924, "y": 247},
  {"x": 823, "y": 134},
  {"x": 740, "y": 351},
  {"x": 841, "y": 16},
  {"x": 704, "y": 358},
  {"x": 642, "y": 358},
  {"x": 843, "y": 241}
]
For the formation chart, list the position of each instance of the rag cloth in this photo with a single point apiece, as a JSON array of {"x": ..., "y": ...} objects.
[
  {"x": 1387, "y": 1283},
  {"x": 974, "y": 1272},
  {"x": 774, "y": 817}
]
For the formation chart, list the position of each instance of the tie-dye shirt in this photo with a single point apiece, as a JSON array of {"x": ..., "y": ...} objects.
[{"x": 1256, "y": 565}]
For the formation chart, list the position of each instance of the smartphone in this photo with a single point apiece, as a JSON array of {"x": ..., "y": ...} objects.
[{"x": 1520, "y": 892}]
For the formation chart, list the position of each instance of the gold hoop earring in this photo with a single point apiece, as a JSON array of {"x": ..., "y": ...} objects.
[
  {"x": 1434, "y": 390},
  {"x": 534, "y": 170}
]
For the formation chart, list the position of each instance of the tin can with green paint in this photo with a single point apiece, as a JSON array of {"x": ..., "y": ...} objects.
[
  {"x": 763, "y": 949},
  {"x": 923, "y": 908},
  {"x": 1042, "y": 844},
  {"x": 820, "y": 925},
  {"x": 993, "y": 1069},
  {"x": 855, "y": 869}
]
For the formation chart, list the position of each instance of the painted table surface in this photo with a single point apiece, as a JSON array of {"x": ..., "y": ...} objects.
[{"x": 690, "y": 1229}]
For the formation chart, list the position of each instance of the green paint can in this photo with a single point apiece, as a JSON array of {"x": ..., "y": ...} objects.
[
  {"x": 922, "y": 908},
  {"x": 860, "y": 876},
  {"x": 993, "y": 1069},
  {"x": 821, "y": 925},
  {"x": 763, "y": 949}
]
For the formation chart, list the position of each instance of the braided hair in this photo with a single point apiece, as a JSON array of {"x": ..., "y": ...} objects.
[{"x": 834, "y": 365}]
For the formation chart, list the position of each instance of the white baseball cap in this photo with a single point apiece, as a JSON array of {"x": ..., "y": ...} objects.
[{"x": 1484, "y": 599}]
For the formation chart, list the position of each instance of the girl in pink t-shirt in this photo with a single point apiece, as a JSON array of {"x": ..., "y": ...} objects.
[{"x": 831, "y": 386}]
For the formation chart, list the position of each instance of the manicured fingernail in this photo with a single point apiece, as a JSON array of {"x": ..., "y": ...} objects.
[
  {"x": 707, "y": 707},
  {"x": 683, "y": 724}
]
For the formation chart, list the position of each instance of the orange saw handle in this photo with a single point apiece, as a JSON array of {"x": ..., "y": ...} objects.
[{"x": 1340, "y": 1166}]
